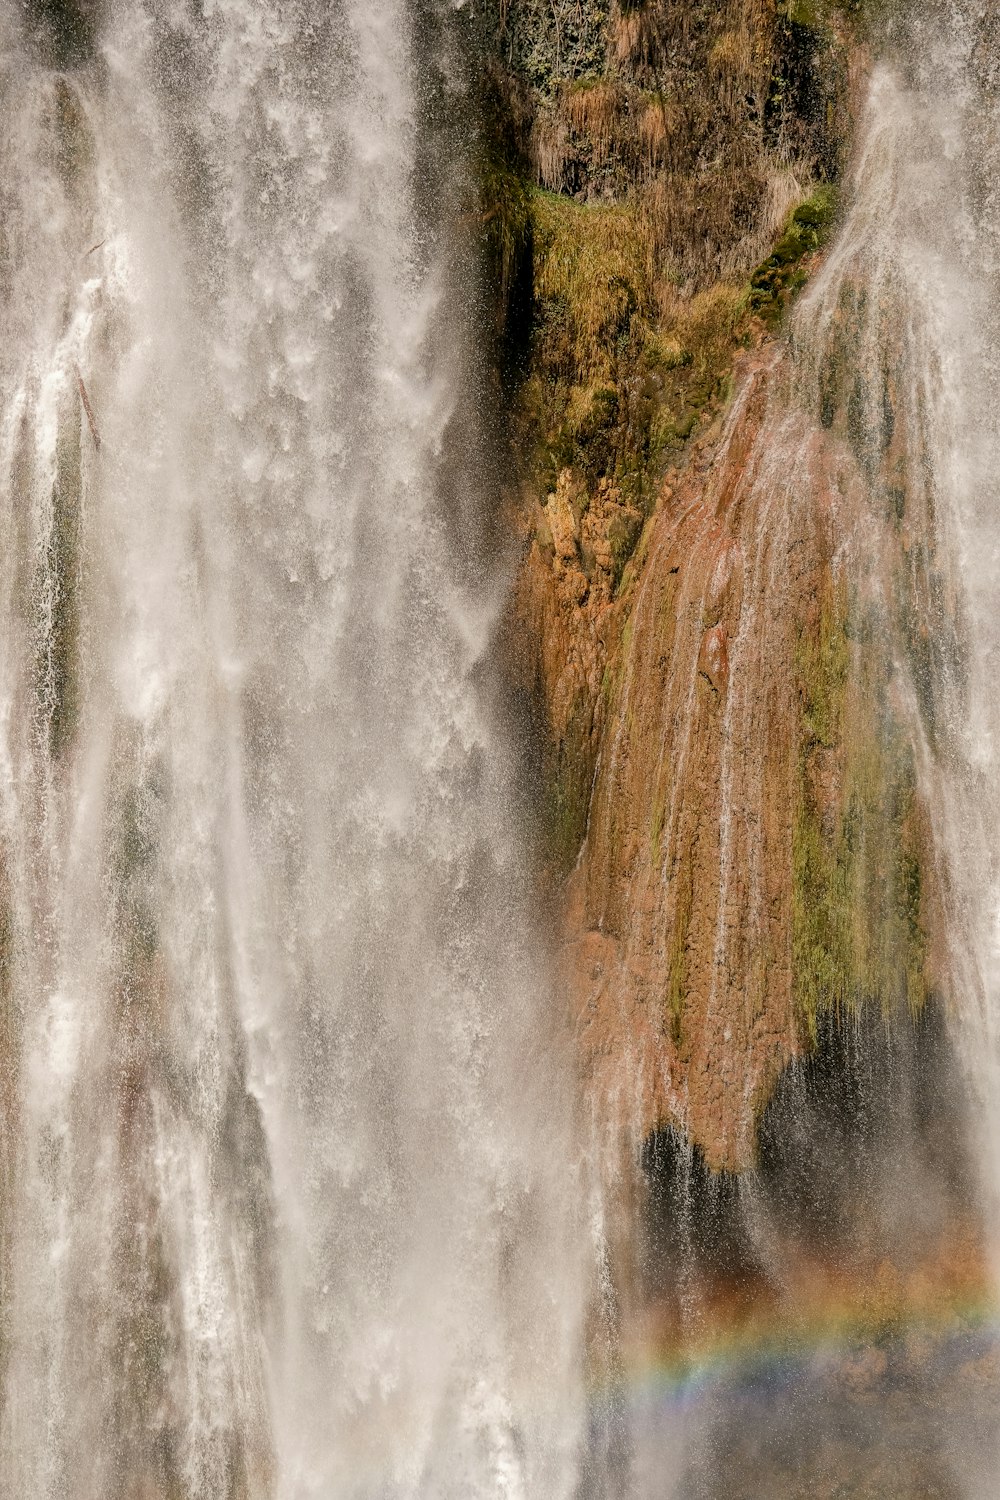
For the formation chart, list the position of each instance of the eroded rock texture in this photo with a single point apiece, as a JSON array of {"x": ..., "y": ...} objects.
[
  {"x": 753, "y": 850},
  {"x": 727, "y": 559}
]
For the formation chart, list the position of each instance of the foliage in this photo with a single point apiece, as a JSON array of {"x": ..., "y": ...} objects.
[
  {"x": 594, "y": 277},
  {"x": 505, "y": 213},
  {"x": 725, "y": 109},
  {"x": 568, "y": 799},
  {"x": 625, "y": 366},
  {"x": 551, "y": 40}
]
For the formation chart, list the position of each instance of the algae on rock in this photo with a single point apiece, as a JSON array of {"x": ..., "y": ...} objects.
[{"x": 858, "y": 930}]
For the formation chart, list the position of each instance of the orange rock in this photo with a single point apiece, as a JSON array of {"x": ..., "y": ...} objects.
[
  {"x": 562, "y": 524},
  {"x": 673, "y": 712}
]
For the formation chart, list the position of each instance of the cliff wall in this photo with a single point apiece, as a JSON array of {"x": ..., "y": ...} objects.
[{"x": 713, "y": 529}]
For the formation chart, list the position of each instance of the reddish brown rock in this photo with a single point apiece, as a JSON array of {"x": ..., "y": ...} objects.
[{"x": 682, "y": 707}]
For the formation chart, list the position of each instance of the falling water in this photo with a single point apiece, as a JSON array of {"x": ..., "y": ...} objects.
[
  {"x": 922, "y": 242},
  {"x": 288, "y": 1187},
  {"x": 291, "y": 1202}
]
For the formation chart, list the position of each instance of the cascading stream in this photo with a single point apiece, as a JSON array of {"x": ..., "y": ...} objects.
[{"x": 288, "y": 1197}]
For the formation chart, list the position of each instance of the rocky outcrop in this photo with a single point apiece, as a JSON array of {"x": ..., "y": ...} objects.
[
  {"x": 753, "y": 850},
  {"x": 715, "y": 608},
  {"x": 627, "y": 283}
]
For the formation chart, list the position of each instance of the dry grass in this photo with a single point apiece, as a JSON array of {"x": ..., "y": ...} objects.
[
  {"x": 580, "y": 132},
  {"x": 656, "y": 126},
  {"x": 595, "y": 272},
  {"x": 550, "y": 149},
  {"x": 633, "y": 37},
  {"x": 627, "y": 360},
  {"x": 710, "y": 102},
  {"x": 595, "y": 110},
  {"x": 786, "y": 188},
  {"x": 626, "y": 364},
  {"x": 739, "y": 67},
  {"x": 670, "y": 168}
]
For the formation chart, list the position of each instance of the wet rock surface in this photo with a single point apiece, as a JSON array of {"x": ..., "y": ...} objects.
[{"x": 703, "y": 932}]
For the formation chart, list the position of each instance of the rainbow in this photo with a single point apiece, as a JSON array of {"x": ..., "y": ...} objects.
[{"x": 835, "y": 1335}]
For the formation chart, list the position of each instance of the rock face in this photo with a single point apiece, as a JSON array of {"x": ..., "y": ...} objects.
[
  {"x": 716, "y": 531},
  {"x": 738, "y": 741},
  {"x": 623, "y": 264},
  {"x": 680, "y": 926}
]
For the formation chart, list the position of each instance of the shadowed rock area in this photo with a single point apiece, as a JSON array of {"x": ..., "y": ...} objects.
[
  {"x": 64, "y": 31},
  {"x": 864, "y": 1177},
  {"x": 832, "y": 1303}
]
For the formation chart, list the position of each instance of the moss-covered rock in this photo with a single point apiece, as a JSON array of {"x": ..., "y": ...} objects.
[
  {"x": 858, "y": 927},
  {"x": 785, "y": 271},
  {"x": 623, "y": 366}
]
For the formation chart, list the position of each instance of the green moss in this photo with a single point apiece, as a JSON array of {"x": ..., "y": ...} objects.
[
  {"x": 857, "y": 934},
  {"x": 818, "y": 14},
  {"x": 568, "y": 778},
  {"x": 635, "y": 563},
  {"x": 783, "y": 274},
  {"x": 623, "y": 535},
  {"x": 505, "y": 213},
  {"x": 803, "y": 12},
  {"x": 821, "y": 921},
  {"x": 823, "y": 661},
  {"x": 866, "y": 17},
  {"x": 623, "y": 369},
  {"x": 928, "y": 633}
]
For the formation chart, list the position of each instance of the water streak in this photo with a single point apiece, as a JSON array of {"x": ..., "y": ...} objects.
[{"x": 289, "y": 1183}]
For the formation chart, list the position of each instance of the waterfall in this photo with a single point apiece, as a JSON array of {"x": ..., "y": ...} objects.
[
  {"x": 289, "y": 1195},
  {"x": 921, "y": 241},
  {"x": 297, "y": 1197}
]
